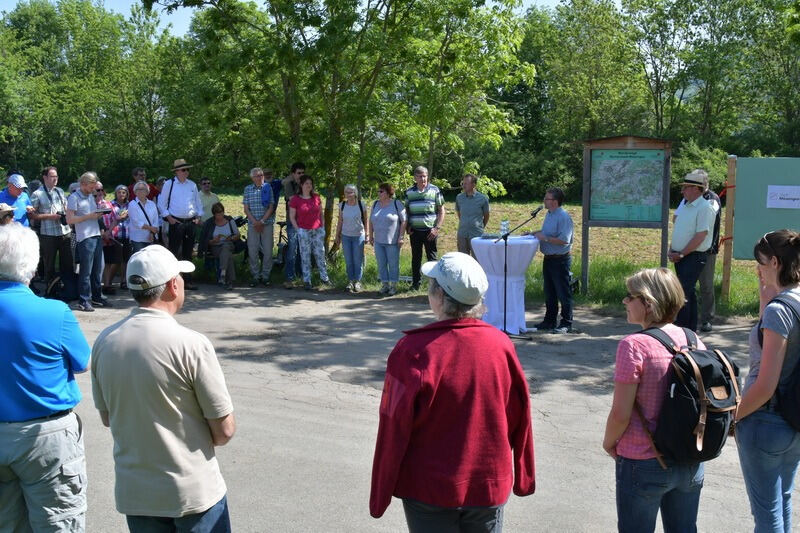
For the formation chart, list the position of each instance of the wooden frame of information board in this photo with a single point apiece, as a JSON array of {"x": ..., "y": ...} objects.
[{"x": 656, "y": 218}]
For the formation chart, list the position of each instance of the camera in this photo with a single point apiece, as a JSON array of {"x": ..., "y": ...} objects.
[{"x": 62, "y": 219}]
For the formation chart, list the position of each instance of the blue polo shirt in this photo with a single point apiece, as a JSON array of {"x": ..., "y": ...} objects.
[
  {"x": 557, "y": 224},
  {"x": 20, "y": 204},
  {"x": 43, "y": 347}
]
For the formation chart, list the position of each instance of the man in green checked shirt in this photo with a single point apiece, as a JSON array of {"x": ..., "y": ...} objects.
[{"x": 425, "y": 209}]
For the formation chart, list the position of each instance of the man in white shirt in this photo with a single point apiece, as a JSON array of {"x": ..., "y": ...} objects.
[{"x": 182, "y": 208}]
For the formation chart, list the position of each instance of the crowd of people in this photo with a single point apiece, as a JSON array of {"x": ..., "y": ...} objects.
[{"x": 455, "y": 433}]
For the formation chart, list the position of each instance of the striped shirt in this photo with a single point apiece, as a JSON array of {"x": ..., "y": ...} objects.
[
  {"x": 422, "y": 206},
  {"x": 41, "y": 200}
]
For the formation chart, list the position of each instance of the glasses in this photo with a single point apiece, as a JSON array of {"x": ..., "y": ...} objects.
[
  {"x": 631, "y": 297},
  {"x": 99, "y": 190},
  {"x": 182, "y": 170}
]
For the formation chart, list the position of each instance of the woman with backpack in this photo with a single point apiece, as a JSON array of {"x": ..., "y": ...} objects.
[
  {"x": 643, "y": 484},
  {"x": 350, "y": 233},
  {"x": 769, "y": 447},
  {"x": 387, "y": 230}
]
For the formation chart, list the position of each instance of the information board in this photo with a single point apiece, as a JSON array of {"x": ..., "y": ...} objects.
[
  {"x": 627, "y": 185},
  {"x": 767, "y": 198}
]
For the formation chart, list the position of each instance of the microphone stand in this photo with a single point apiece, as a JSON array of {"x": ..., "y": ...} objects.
[{"x": 504, "y": 238}]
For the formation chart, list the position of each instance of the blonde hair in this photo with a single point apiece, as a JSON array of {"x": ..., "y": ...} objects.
[
  {"x": 88, "y": 177},
  {"x": 661, "y": 292}
]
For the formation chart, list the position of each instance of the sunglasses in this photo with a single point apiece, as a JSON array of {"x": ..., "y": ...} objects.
[
  {"x": 99, "y": 190},
  {"x": 630, "y": 297}
]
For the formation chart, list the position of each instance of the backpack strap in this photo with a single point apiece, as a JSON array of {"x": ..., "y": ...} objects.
[
  {"x": 691, "y": 338},
  {"x": 169, "y": 196},
  {"x": 659, "y": 456},
  {"x": 661, "y": 336}
]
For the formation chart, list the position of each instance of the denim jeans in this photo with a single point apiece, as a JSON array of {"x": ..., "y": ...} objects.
[
  {"x": 769, "y": 452},
  {"x": 213, "y": 520},
  {"x": 424, "y": 518},
  {"x": 688, "y": 271},
  {"x": 90, "y": 257},
  {"x": 555, "y": 274},
  {"x": 388, "y": 259},
  {"x": 643, "y": 487},
  {"x": 292, "y": 253},
  {"x": 353, "y": 249}
]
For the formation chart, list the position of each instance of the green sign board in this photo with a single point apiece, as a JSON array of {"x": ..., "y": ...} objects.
[
  {"x": 767, "y": 198},
  {"x": 627, "y": 185}
]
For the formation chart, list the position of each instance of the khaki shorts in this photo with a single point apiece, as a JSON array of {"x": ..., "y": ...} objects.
[{"x": 43, "y": 475}]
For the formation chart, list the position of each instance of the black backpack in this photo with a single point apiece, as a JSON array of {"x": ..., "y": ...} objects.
[
  {"x": 788, "y": 399},
  {"x": 699, "y": 405}
]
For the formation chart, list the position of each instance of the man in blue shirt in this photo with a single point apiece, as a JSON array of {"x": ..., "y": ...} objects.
[
  {"x": 555, "y": 243},
  {"x": 42, "y": 462},
  {"x": 15, "y": 196}
]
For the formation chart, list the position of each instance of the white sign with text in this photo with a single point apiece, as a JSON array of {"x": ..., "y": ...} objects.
[{"x": 783, "y": 196}]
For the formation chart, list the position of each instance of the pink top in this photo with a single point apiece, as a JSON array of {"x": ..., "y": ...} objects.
[
  {"x": 643, "y": 360},
  {"x": 307, "y": 211}
]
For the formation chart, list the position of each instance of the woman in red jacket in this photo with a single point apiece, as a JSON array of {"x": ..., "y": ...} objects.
[{"x": 455, "y": 427}]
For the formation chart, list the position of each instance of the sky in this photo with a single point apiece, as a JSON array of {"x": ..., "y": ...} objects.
[{"x": 182, "y": 17}]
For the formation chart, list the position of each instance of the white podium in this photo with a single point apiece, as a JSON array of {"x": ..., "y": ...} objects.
[{"x": 490, "y": 255}]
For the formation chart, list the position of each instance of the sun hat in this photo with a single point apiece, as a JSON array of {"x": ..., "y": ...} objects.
[
  {"x": 695, "y": 178},
  {"x": 17, "y": 181},
  {"x": 152, "y": 266},
  {"x": 461, "y": 276},
  {"x": 5, "y": 208},
  {"x": 179, "y": 164}
]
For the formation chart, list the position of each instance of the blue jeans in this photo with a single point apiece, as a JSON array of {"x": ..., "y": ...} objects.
[
  {"x": 424, "y": 518},
  {"x": 388, "y": 258},
  {"x": 688, "y": 271},
  {"x": 769, "y": 452},
  {"x": 213, "y": 520},
  {"x": 90, "y": 257},
  {"x": 353, "y": 249},
  {"x": 291, "y": 268},
  {"x": 643, "y": 487},
  {"x": 555, "y": 275}
]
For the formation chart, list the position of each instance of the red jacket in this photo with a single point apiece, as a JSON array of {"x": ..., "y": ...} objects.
[{"x": 454, "y": 419}]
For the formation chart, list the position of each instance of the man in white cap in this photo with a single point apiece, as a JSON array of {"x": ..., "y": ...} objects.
[
  {"x": 15, "y": 196},
  {"x": 181, "y": 207},
  {"x": 159, "y": 387},
  {"x": 692, "y": 235},
  {"x": 455, "y": 435}
]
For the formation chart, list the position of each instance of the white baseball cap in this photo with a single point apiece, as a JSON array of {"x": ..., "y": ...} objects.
[
  {"x": 153, "y": 266},
  {"x": 460, "y": 276},
  {"x": 17, "y": 181}
]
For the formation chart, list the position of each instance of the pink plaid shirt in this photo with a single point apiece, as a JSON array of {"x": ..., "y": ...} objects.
[{"x": 645, "y": 361}]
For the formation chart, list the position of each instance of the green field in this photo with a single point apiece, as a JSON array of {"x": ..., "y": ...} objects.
[{"x": 615, "y": 254}]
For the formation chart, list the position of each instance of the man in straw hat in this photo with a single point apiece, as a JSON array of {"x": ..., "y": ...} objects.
[
  {"x": 160, "y": 388},
  {"x": 182, "y": 208},
  {"x": 6, "y": 214},
  {"x": 691, "y": 239}
]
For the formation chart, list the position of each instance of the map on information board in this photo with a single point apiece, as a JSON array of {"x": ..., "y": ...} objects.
[{"x": 627, "y": 185}]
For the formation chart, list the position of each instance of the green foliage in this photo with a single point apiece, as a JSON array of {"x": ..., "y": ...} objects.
[{"x": 690, "y": 156}]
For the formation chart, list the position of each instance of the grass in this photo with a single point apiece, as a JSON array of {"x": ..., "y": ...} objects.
[{"x": 615, "y": 254}]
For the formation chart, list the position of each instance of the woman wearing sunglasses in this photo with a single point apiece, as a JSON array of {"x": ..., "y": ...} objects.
[{"x": 769, "y": 448}]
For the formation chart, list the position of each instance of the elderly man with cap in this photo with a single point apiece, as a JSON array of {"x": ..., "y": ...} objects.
[
  {"x": 42, "y": 463},
  {"x": 15, "y": 196},
  {"x": 181, "y": 207},
  {"x": 159, "y": 387},
  {"x": 692, "y": 235},
  {"x": 455, "y": 431}
]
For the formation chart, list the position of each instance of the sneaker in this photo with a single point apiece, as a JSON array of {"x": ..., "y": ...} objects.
[
  {"x": 307, "y": 286},
  {"x": 562, "y": 330},
  {"x": 543, "y": 326},
  {"x": 356, "y": 286},
  {"x": 384, "y": 288},
  {"x": 253, "y": 283},
  {"x": 288, "y": 284},
  {"x": 266, "y": 282},
  {"x": 102, "y": 302},
  {"x": 392, "y": 289},
  {"x": 706, "y": 327},
  {"x": 349, "y": 287}
]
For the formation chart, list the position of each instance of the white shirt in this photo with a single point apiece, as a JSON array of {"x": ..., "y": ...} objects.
[
  {"x": 693, "y": 218},
  {"x": 138, "y": 220},
  {"x": 185, "y": 201}
]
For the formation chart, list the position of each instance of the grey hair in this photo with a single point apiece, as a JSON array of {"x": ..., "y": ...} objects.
[
  {"x": 148, "y": 296},
  {"x": 254, "y": 171},
  {"x": 351, "y": 187},
  {"x": 451, "y": 307},
  {"x": 141, "y": 185},
  {"x": 88, "y": 177},
  {"x": 19, "y": 253},
  {"x": 420, "y": 168}
]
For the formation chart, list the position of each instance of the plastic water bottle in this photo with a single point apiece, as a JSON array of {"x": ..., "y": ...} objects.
[{"x": 504, "y": 226}]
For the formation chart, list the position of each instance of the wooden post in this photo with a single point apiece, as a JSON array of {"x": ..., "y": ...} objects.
[
  {"x": 727, "y": 254},
  {"x": 587, "y": 171}
]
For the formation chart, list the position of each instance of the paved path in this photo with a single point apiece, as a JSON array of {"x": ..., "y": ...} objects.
[{"x": 305, "y": 372}]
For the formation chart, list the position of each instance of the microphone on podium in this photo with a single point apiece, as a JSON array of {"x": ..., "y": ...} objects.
[{"x": 536, "y": 211}]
